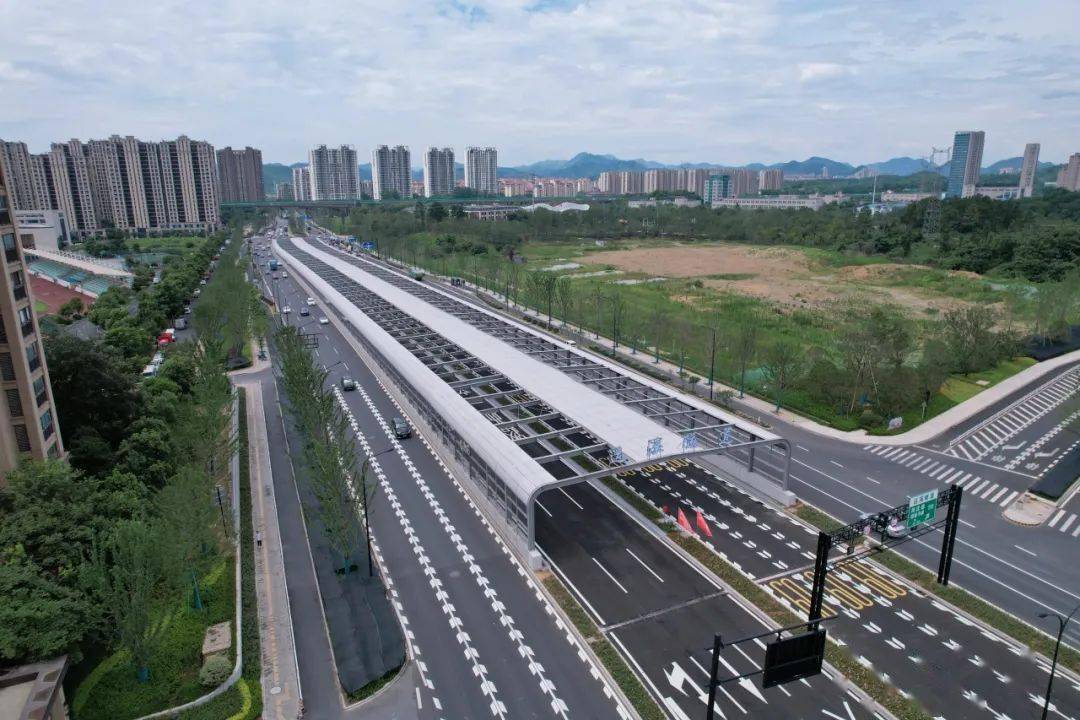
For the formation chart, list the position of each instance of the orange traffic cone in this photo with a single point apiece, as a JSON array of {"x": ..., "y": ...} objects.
[
  {"x": 703, "y": 526},
  {"x": 683, "y": 522}
]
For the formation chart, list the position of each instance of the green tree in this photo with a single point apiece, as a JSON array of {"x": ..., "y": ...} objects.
[
  {"x": 96, "y": 398},
  {"x": 783, "y": 365},
  {"x": 39, "y": 617},
  {"x": 185, "y": 506},
  {"x": 124, "y": 572}
]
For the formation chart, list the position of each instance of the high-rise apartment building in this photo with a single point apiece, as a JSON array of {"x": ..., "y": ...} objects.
[
  {"x": 1028, "y": 169},
  {"x": 661, "y": 180},
  {"x": 1069, "y": 176},
  {"x": 717, "y": 187},
  {"x": 240, "y": 173},
  {"x": 301, "y": 183},
  {"x": 28, "y": 424},
  {"x": 335, "y": 174},
  {"x": 71, "y": 178},
  {"x": 127, "y": 184},
  {"x": 439, "y": 172},
  {"x": 770, "y": 179},
  {"x": 966, "y": 163},
  {"x": 482, "y": 170},
  {"x": 608, "y": 183},
  {"x": 391, "y": 173},
  {"x": 28, "y": 189},
  {"x": 284, "y": 191}
]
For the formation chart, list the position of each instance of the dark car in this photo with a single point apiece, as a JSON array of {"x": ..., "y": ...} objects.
[
  {"x": 401, "y": 428},
  {"x": 348, "y": 383},
  {"x": 304, "y": 311}
]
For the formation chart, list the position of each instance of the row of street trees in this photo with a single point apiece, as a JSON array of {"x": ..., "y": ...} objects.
[{"x": 340, "y": 489}]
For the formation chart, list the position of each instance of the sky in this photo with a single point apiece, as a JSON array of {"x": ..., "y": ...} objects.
[{"x": 669, "y": 80}]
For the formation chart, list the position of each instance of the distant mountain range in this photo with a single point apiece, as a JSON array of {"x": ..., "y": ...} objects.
[{"x": 590, "y": 165}]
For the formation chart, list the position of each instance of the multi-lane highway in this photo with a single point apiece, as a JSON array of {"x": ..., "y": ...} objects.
[
  {"x": 486, "y": 642},
  {"x": 658, "y": 608}
]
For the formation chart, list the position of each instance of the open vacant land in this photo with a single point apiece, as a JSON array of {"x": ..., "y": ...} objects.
[{"x": 794, "y": 278}]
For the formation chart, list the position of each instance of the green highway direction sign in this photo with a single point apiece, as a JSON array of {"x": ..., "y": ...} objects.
[{"x": 922, "y": 508}]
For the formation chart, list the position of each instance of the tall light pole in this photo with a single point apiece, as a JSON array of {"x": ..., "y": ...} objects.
[
  {"x": 363, "y": 489},
  {"x": 1062, "y": 624}
]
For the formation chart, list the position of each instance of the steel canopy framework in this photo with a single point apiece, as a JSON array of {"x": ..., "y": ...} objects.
[{"x": 527, "y": 446}]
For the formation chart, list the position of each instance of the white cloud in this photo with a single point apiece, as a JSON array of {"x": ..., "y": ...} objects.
[
  {"x": 811, "y": 71},
  {"x": 683, "y": 80}
]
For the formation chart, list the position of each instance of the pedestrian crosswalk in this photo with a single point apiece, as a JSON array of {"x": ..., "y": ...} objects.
[
  {"x": 998, "y": 430},
  {"x": 1064, "y": 522},
  {"x": 934, "y": 468}
]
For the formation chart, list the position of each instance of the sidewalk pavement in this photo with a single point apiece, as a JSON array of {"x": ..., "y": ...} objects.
[
  {"x": 281, "y": 690},
  {"x": 766, "y": 410}
]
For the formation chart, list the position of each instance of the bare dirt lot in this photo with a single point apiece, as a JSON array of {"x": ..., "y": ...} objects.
[{"x": 784, "y": 276}]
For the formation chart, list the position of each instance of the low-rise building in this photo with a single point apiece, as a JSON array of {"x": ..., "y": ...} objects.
[
  {"x": 44, "y": 229},
  {"x": 779, "y": 202},
  {"x": 490, "y": 212},
  {"x": 891, "y": 196},
  {"x": 994, "y": 192}
]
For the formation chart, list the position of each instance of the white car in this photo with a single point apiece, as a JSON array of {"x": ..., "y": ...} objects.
[
  {"x": 323, "y": 321},
  {"x": 310, "y": 301},
  {"x": 285, "y": 309}
]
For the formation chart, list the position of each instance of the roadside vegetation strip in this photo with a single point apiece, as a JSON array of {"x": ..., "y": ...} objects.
[
  {"x": 243, "y": 701},
  {"x": 627, "y": 680},
  {"x": 904, "y": 708},
  {"x": 978, "y": 608}
]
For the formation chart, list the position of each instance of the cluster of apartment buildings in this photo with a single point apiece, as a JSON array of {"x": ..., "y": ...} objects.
[
  {"x": 333, "y": 174},
  {"x": 121, "y": 183},
  {"x": 738, "y": 182}
]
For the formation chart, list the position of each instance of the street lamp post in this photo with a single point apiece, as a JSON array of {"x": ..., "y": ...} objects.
[
  {"x": 363, "y": 489},
  {"x": 1062, "y": 624}
]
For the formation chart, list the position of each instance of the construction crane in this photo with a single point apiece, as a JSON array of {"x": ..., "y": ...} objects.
[{"x": 929, "y": 186}]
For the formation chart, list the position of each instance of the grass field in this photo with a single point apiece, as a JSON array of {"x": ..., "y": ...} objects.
[{"x": 169, "y": 245}]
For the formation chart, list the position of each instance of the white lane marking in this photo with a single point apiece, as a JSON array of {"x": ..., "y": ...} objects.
[
  {"x": 610, "y": 575},
  {"x": 1021, "y": 549},
  {"x": 1057, "y": 518},
  {"x": 836, "y": 464},
  {"x": 1010, "y": 498},
  {"x": 989, "y": 490},
  {"x": 876, "y": 482},
  {"x": 999, "y": 493},
  {"x": 579, "y": 507},
  {"x": 1065, "y": 525},
  {"x": 541, "y": 506},
  {"x": 642, "y": 563},
  {"x": 801, "y": 448}
]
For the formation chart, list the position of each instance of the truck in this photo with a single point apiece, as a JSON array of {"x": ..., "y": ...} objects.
[{"x": 273, "y": 264}]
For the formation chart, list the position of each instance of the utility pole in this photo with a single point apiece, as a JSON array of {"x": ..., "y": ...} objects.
[{"x": 1062, "y": 624}]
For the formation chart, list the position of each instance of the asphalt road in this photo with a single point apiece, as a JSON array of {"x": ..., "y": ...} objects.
[
  {"x": 663, "y": 626},
  {"x": 487, "y": 642},
  {"x": 954, "y": 667}
]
